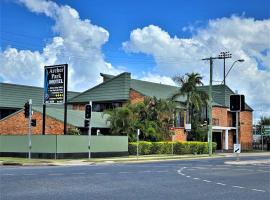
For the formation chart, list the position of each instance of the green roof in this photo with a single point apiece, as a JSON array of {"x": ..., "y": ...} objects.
[
  {"x": 221, "y": 93},
  {"x": 116, "y": 88},
  {"x": 76, "y": 117},
  {"x": 14, "y": 96}
]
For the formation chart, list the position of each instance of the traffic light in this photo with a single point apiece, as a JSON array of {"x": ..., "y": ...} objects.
[
  {"x": 237, "y": 102},
  {"x": 88, "y": 110},
  {"x": 26, "y": 109},
  {"x": 34, "y": 122},
  {"x": 86, "y": 123}
]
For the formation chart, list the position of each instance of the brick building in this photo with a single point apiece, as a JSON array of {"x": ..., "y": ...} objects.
[{"x": 116, "y": 91}]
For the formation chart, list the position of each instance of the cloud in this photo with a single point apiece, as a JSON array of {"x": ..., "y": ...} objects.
[
  {"x": 245, "y": 38},
  {"x": 156, "y": 78},
  {"x": 78, "y": 43}
]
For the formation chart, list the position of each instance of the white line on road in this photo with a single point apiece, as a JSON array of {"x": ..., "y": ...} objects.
[
  {"x": 207, "y": 181},
  {"x": 8, "y": 174},
  {"x": 188, "y": 176},
  {"x": 258, "y": 190},
  {"x": 221, "y": 184},
  {"x": 101, "y": 173},
  {"x": 79, "y": 173},
  {"x": 125, "y": 172},
  {"x": 56, "y": 174},
  {"x": 236, "y": 186},
  {"x": 196, "y": 178}
]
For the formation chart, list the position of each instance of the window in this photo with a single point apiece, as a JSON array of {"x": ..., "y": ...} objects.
[{"x": 101, "y": 106}]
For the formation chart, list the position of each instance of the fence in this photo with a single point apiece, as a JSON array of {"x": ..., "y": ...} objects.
[{"x": 60, "y": 146}]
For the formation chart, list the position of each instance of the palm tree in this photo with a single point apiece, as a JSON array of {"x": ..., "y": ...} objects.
[{"x": 188, "y": 88}]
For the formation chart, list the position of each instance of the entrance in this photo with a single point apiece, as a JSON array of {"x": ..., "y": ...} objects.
[{"x": 217, "y": 137}]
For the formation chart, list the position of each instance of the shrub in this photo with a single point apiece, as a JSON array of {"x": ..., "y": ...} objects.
[{"x": 146, "y": 148}]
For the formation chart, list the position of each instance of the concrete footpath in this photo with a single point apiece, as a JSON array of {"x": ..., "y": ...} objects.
[{"x": 133, "y": 159}]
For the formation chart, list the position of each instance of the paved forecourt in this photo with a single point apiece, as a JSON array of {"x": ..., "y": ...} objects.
[{"x": 189, "y": 179}]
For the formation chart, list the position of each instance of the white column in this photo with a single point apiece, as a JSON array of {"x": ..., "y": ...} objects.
[{"x": 226, "y": 139}]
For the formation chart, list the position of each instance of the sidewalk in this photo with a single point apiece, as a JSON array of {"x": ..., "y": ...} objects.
[
  {"x": 74, "y": 162},
  {"x": 126, "y": 159}
]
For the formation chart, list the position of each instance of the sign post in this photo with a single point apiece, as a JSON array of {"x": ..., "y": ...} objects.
[
  {"x": 55, "y": 88},
  {"x": 138, "y": 134},
  {"x": 237, "y": 150}
]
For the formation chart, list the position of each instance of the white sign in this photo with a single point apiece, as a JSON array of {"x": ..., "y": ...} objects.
[
  {"x": 237, "y": 148},
  {"x": 188, "y": 127}
]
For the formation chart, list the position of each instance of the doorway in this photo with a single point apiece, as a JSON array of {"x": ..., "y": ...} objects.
[{"x": 217, "y": 138}]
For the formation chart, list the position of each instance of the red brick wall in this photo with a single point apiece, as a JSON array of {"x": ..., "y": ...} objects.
[
  {"x": 245, "y": 129},
  {"x": 135, "y": 96},
  {"x": 220, "y": 114},
  {"x": 180, "y": 134},
  {"x": 18, "y": 124}
]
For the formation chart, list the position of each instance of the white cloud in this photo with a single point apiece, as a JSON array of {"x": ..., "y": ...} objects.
[
  {"x": 78, "y": 43},
  {"x": 156, "y": 78},
  {"x": 245, "y": 38}
]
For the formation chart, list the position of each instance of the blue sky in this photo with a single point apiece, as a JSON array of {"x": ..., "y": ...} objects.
[
  {"x": 25, "y": 30},
  {"x": 153, "y": 40}
]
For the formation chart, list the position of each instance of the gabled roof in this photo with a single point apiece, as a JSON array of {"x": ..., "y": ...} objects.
[
  {"x": 116, "y": 88},
  {"x": 14, "y": 96},
  {"x": 74, "y": 117},
  {"x": 221, "y": 93}
]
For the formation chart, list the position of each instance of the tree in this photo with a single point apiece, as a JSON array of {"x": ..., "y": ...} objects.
[
  {"x": 188, "y": 88},
  {"x": 120, "y": 120},
  {"x": 265, "y": 120},
  {"x": 152, "y": 116}
]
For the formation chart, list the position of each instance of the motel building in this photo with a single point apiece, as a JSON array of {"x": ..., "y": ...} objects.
[{"x": 116, "y": 91}]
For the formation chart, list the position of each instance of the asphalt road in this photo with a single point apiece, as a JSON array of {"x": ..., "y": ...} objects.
[{"x": 186, "y": 179}]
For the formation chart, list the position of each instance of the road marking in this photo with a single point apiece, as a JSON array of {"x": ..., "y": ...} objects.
[
  {"x": 188, "y": 176},
  {"x": 221, "y": 184},
  {"x": 125, "y": 172},
  {"x": 79, "y": 173},
  {"x": 207, "y": 181},
  {"x": 56, "y": 174},
  {"x": 146, "y": 171},
  {"x": 30, "y": 174},
  {"x": 8, "y": 174},
  {"x": 258, "y": 190},
  {"x": 196, "y": 178},
  {"x": 101, "y": 173},
  {"x": 236, "y": 186}
]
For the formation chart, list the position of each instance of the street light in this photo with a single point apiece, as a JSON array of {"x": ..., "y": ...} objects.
[{"x": 240, "y": 60}]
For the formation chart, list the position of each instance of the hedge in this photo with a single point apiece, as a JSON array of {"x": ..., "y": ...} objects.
[{"x": 146, "y": 148}]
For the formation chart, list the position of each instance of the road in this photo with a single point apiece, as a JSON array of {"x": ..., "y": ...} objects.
[{"x": 182, "y": 179}]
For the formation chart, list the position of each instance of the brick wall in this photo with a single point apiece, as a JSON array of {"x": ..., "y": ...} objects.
[
  {"x": 220, "y": 114},
  {"x": 135, "y": 96},
  {"x": 18, "y": 124},
  {"x": 245, "y": 129}
]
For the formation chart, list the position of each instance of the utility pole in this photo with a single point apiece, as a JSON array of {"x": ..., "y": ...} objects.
[
  {"x": 210, "y": 131},
  {"x": 30, "y": 129},
  {"x": 224, "y": 56}
]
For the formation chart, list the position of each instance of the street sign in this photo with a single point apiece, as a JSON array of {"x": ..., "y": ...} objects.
[
  {"x": 237, "y": 148},
  {"x": 55, "y": 84},
  {"x": 265, "y": 130}
]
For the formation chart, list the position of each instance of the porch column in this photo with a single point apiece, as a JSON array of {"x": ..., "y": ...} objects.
[{"x": 226, "y": 139}]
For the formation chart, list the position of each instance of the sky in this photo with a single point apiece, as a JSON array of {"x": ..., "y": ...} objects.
[{"x": 154, "y": 40}]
